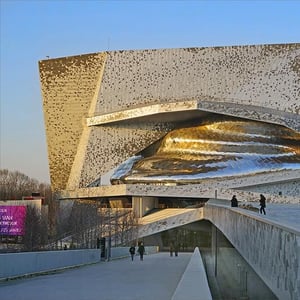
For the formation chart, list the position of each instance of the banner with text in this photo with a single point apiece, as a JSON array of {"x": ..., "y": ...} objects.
[{"x": 12, "y": 220}]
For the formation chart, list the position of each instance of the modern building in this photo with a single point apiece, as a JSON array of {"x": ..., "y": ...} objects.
[{"x": 174, "y": 133}]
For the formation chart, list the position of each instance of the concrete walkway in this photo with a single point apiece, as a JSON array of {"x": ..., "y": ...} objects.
[
  {"x": 284, "y": 214},
  {"x": 154, "y": 278}
]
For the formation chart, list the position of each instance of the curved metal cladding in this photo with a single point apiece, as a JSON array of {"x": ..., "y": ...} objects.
[
  {"x": 216, "y": 148},
  {"x": 257, "y": 82}
]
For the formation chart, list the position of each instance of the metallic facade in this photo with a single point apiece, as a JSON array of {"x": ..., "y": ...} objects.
[
  {"x": 220, "y": 148},
  {"x": 183, "y": 123},
  {"x": 102, "y": 109}
]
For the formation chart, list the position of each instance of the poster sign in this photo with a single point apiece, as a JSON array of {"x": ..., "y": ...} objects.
[{"x": 12, "y": 220}]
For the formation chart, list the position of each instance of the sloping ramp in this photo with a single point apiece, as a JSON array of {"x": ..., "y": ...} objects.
[
  {"x": 270, "y": 247},
  {"x": 167, "y": 219}
]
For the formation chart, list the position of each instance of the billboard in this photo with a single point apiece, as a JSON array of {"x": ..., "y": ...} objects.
[{"x": 12, "y": 220}]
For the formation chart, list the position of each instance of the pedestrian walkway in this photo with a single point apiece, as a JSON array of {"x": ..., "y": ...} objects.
[
  {"x": 284, "y": 214},
  {"x": 156, "y": 277}
]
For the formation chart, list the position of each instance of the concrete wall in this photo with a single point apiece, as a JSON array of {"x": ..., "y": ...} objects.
[
  {"x": 142, "y": 205},
  {"x": 193, "y": 284},
  {"x": 273, "y": 251},
  {"x": 29, "y": 263},
  {"x": 25, "y": 263},
  {"x": 168, "y": 219},
  {"x": 121, "y": 252}
]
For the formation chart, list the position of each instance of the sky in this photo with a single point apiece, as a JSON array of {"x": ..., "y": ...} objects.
[{"x": 33, "y": 30}]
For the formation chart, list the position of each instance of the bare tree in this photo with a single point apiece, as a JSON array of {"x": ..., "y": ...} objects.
[
  {"x": 92, "y": 220},
  {"x": 35, "y": 230},
  {"x": 126, "y": 226},
  {"x": 15, "y": 185}
]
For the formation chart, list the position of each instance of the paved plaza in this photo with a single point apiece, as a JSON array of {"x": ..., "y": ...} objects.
[
  {"x": 156, "y": 277},
  {"x": 122, "y": 279}
]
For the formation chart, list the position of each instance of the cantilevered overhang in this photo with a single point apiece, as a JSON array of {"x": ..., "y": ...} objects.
[
  {"x": 207, "y": 189},
  {"x": 184, "y": 111}
]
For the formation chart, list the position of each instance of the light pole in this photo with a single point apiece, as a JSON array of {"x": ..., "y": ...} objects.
[{"x": 109, "y": 235}]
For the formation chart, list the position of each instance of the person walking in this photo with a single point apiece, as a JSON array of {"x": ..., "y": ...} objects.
[
  {"x": 171, "y": 249},
  {"x": 234, "y": 201},
  {"x": 132, "y": 252},
  {"x": 176, "y": 249},
  {"x": 141, "y": 251},
  {"x": 262, "y": 203}
]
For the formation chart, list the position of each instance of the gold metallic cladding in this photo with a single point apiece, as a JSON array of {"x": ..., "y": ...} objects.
[
  {"x": 228, "y": 147},
  {"x": 75, "y": 174},
  {"x": 68, "y": 86},
  {"x": 259, "y": 82}
]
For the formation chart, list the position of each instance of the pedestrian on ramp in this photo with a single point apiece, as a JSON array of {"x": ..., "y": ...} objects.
[
  {"x": 132, "y": 252},
  {"x": 262, "y": 203},
  {"x": 141, "y": 251}
]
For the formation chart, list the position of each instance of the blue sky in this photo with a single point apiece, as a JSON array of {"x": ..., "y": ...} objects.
[{"x": 32, "y": 30}]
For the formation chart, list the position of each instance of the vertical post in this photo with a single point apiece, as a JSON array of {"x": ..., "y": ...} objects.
[
  {"x": 246, "y": 282},
  {"x": 141, "y": 207},
  {"x": 108, "y": 243},
  {"x": 109, "y": 238},
  {"x": 216, "y": 251}
]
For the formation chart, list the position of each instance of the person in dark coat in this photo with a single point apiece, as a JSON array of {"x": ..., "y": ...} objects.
[
  {"x": 176, "y": 249},
  {"x": 141, "y": 251},
  {"x": 262, "y": 203},
  {"x": 132, "y": 252},
  {"x": 234, "y": 201},
  {"x": 171, "y": 249}
]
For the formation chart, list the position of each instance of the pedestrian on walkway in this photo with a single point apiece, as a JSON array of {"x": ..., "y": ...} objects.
[
  {"x": 234, "y": 201},
  {"x": 132, "y": 252},
  {"x": 141, "y": 251},
  {"x": 171, "y": 249},
  {"x": 176, "y": 249},
  {"x": 262, "y": 203}
]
